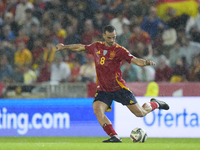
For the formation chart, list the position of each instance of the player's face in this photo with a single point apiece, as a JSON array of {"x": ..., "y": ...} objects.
[{"x": 110, "y": 38}]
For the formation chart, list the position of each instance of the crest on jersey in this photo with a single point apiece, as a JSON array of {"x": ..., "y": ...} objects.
[
  {"x": 112, "y": 54},
  {"x": 105, "y": 52},
  {"x": 98, "y": 52}
]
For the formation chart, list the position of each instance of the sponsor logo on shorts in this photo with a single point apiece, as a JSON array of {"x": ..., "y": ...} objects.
[{"x": 96, "y": 94}]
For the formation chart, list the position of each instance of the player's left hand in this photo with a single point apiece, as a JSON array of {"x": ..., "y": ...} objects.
[{"x": 59, "y": 46}]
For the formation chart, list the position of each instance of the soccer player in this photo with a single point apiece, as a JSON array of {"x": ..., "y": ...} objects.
[{"x": 110, "y": 85}]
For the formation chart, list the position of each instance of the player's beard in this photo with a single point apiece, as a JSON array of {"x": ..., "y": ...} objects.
[{"x": 110, "y": 43}]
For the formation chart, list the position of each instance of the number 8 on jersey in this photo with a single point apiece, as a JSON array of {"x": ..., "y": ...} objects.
[{"x": 102, "y": 60}]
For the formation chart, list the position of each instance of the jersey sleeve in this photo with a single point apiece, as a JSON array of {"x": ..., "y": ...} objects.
[
  {"x": 125, "y": 55},
  {"x": 91, "y": 48}
]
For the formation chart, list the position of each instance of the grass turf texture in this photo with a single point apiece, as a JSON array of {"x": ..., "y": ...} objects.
[{"x": 95, "y": 143}]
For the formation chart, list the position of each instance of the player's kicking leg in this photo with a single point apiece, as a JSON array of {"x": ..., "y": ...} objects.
[
  {"x": 99, "y": 110},
  {"x": 147, "y": 107}
]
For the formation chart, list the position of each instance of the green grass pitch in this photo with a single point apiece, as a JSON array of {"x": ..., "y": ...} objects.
[{"x": 95, "y": 143}]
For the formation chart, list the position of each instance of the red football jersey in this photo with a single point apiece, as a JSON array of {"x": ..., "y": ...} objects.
[{"x": 107, "y": 63}]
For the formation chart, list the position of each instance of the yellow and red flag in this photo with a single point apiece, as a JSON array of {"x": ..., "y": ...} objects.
[{"x": 180, "y": 7}]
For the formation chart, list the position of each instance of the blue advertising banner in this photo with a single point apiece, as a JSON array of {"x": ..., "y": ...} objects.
[{"x": 50, "y": 117}]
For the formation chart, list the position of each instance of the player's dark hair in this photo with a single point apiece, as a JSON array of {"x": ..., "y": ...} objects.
[{"x": 109, "y": 28}]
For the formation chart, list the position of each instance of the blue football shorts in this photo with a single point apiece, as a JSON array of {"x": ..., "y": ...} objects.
[{"x": 123, "y": 96}]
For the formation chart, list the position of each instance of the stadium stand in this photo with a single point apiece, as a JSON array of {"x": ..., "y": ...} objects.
[{"x": 149, "y": 29}]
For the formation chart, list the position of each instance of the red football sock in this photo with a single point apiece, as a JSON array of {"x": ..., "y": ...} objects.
[
  {"x": 109, "y": 130},
  {"x": 154, "y": 105}
]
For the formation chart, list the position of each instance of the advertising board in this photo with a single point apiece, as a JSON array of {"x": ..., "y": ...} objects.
[
  {"x": 49, "y": 117},
  {"x": 75, "y": 117},
  {"x": 181, "y": 120}
]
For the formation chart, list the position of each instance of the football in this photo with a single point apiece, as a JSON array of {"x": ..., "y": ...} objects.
[{"x": 138, "y": 135}]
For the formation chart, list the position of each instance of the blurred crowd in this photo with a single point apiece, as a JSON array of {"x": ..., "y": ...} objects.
[{"x": 30, "y": 29}]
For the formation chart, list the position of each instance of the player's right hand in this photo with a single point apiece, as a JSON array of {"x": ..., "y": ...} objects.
[
  {"x": 150, "y": 63},
  {"x": 59, "y": 46}
]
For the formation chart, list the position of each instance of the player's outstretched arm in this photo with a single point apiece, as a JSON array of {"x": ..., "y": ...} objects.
[
  {"x": 73, "y": 47},
  {"x": 142, "y": 62}
]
